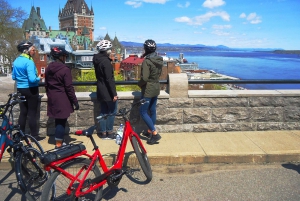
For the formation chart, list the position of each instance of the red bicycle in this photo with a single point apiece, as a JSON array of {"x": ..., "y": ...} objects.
[{"x": 79, "y": 178}]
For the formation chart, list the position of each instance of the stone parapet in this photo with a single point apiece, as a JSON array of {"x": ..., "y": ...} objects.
[{"x": 198, "y": 111}]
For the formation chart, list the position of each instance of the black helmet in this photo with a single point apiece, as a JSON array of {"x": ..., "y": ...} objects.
[
  {"x": 56, "y": 52},
  {"x": 24, "y": 46},
  {"x": 150, "y": 45}
]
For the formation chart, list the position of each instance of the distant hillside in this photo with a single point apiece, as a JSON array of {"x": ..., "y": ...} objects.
[{"x": 174, "y": 47}]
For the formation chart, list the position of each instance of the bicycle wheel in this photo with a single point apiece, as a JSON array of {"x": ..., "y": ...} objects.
[
  {"x": 34, "y": 143},
  {"x": 56, "y": 186},
  {"x": 142, "y": 158},
  {"x": 30, "y": 173}
]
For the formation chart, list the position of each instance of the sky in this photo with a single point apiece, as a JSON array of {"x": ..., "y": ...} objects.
[{"x": 233, "y": 23}]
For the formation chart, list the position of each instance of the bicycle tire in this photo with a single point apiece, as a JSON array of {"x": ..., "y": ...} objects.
[
  {"x": 142, "y": 158},
  {"x": 56, "y": 186},
  {"x": 29, "y": 179},
  {"x": 34, "y": 143}
]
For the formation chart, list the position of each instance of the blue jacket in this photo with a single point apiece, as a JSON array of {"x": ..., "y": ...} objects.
[{"x": 25, "y": 72}]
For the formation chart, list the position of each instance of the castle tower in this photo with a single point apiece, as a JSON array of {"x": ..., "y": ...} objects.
[
  {"x": 35, "y": 25},
  {"x": 76, "y": 16}
]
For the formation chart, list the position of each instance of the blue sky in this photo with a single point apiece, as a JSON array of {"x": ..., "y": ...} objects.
[{"x": 233, "y": 23}]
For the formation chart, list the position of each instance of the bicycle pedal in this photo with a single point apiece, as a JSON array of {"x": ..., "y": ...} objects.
[{"x": 129, "y": 171}]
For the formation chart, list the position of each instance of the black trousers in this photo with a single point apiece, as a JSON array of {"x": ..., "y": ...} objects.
[{"x": 29, "y": 108}]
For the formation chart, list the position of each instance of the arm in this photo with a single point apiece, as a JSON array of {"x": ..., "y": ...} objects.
[
  {"x": 32, "y": 72},
  {"x": 69, "y": 86},
  {"x": 145, "y": 73},
  {"x": 109, "y": 78}
]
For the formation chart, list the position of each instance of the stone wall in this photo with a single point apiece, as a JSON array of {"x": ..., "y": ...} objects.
[{"x": 182, "y": 110}]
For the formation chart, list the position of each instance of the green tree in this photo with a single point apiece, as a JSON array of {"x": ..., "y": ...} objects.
[
  {"x": 90, "y": 76},
  {"x": 11, "y": 33}
]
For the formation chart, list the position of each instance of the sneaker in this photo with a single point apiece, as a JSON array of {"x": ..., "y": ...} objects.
[
  {"x": 102, "y": 135},
  {"x": 111, "y": 136},
  {"x": 146, "y": 134},
  {"x": 63, "y": 144},
  {"x": 154, "y": 139}
]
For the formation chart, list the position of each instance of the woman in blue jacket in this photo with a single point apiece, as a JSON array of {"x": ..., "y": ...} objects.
[{"x": 27, "y": 80}]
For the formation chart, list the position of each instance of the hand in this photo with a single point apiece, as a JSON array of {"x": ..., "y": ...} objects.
[
  {"x": 76, "y": 106},
  {"x": 115, "y": 98}
]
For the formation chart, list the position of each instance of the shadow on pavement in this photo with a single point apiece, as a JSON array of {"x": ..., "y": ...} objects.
[
  {"x": 12, "y": 186},
  {"x": 291, "y": 166}
]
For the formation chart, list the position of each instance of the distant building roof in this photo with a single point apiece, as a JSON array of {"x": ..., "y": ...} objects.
[
  {"x": 35, "y": 21},
  {"x": 130, "y": 62}
]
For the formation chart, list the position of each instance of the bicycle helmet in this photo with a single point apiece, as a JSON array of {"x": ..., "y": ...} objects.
[
  {"x": 104, "y": 45},
  {"x": 24, "y": 46},
  {"x": 150, "y": 45},
  {"x": 57, "y": 52}
]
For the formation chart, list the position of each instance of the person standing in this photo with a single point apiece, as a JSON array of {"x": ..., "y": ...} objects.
[
  {"x": 149, "y": 83},
  {"x": 62, "y": 100},
  {"x": 106, "y": 87},
  {"x": 27, "y": 82}
]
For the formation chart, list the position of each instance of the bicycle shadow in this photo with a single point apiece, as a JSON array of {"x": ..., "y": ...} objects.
[
  {"x": 10, "y": 181},
  {"x": 137, "y": 177},
  {"x": 291, "y": 166}
]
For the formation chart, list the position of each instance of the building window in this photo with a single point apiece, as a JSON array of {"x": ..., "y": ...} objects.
[
  {"x": 43, "y": 70},
  {"x": 42, "y": 57}
]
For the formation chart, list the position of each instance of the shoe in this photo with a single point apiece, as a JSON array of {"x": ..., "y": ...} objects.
[
  {"x": 102, "y": 135},
  {"x": 39, "y": 138},
  {"x": 63, "y": 144},
  {"x": 154, "y": 139},
  {"x": 146, "y": 134},
  {"x": 111, "y": 136}
]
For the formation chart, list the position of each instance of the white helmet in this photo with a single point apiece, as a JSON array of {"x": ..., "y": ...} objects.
[{"x": 104, "y": 45}]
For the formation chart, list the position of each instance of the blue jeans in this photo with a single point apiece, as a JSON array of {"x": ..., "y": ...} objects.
[
  {"x": 60, "y": 125},
  {"x": 107, "y": 107},
  {"x": 150, "y": 106}
]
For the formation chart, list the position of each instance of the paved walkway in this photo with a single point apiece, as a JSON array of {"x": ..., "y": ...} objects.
[{"x": 195, "y": 148}]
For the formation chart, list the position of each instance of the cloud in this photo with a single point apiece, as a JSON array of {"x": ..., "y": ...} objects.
[
  {"x": 243, "y": 15},
  {"x": 102, "y": 28},
  {"x": 253, "y": 18},
  {"x": 220, "y": 33},
  {"x": 222, "y": 26},
  {"x": 213, "y": 3},
  {"x": 187, "y": 4},
  {"x": 138, "y": 3},
  {"x": 201, "y": 19}
]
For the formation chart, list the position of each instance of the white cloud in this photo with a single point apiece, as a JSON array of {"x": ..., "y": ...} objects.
[
  {"x": 138, "y": 3},
  {"x": 134, "y": 4},
  {"x": 201, "y": 19},
  {"x": 222, "y": 26},
  {"x": 213, "y": 3},
  {"x": 187, "y": 4},
  {"x": 243, "y": 15},
  {"x": 220, "y": 33},
  {"x": 102, "y": 28},
  {"x": 253, "y": 18}
]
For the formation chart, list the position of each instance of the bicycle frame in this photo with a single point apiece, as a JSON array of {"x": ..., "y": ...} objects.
[{"x": 102, "y": 179}]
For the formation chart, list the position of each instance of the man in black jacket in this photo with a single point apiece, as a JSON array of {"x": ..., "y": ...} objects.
[{"x": 106, "y": 87}]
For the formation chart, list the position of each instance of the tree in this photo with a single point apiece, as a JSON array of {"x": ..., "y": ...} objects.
[{"x": 11, "y": 33}]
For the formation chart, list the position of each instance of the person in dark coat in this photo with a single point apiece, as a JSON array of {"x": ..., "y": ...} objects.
[
  {"x": 150, "y": 86},
  {"x": 60, "y": 92},
  {"x": 106, "y": 88}
]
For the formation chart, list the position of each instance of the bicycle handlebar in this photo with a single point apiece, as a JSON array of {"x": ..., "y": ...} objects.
[{"x": 14, "y": 98}]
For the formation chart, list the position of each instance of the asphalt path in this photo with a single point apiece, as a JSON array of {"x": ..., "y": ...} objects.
[{"x": 234, "y": 182}]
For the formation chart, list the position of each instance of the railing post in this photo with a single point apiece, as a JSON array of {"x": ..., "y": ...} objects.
[{"x": 178, "y": 85}]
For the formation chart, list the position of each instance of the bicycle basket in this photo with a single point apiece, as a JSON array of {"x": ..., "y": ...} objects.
[{"x": 61, "y": 153}]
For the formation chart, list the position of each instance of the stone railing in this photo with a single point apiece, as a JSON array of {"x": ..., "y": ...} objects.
[{"x": 183, "y": 110}]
